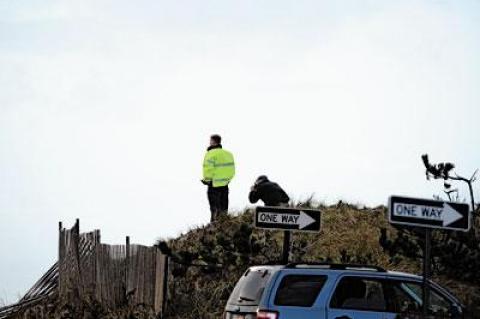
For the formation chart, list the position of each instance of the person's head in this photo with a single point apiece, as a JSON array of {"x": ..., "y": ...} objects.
[
  {"x": 261, "y": 179},
  {"x": 215, "y": 139}
]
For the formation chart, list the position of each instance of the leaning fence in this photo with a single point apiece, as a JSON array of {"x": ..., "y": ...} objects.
[{"x": 112, "y": 275}]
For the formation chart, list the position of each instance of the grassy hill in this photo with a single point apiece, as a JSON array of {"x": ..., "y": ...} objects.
[
  {"x": 207, "y": 261},
  {"x": 210, "y": 259}
]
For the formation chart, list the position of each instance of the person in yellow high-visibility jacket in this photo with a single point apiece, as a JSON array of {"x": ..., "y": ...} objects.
[{"x": 218, "y": 172}]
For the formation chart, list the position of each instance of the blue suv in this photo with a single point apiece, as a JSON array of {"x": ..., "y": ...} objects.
[{"x": 334, "y": 291}]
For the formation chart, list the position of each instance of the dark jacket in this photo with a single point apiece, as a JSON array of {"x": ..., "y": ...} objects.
[{"x": 268, "y": 192}]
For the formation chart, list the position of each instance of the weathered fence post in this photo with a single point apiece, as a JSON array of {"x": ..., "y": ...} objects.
[
  {"x": 60, "y": 256},
  {"x": 127, "y": 266}
]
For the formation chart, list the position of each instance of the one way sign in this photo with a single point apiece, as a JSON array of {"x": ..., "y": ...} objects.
[
  {"x": 307, "y": 220},
  {"x": 429, "y": 213}
]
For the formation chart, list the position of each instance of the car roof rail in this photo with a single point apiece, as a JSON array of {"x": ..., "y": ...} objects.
[{"x": 334, "y": 266}]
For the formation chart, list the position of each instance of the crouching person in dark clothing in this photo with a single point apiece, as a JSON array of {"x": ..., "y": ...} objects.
[
  {"x": 272, "y": 195},
  {"x": 268, "y": 192}
]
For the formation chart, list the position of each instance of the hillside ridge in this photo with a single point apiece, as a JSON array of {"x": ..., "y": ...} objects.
[{"x": 208, "y": 260}]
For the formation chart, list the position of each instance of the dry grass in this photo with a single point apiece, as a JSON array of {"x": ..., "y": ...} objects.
[
  {"x": 210, "y": 259},
  {"x": 349, "y": 234}
]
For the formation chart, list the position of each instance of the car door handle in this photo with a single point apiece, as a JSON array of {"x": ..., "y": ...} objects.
[{"x": 343, "y": 317}]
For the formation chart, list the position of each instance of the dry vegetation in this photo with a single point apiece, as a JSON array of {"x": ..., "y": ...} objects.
[
  {"x": 349, "y": 234},
  {"x": 207, "y": 261},
  {"x": 53, "y": 308}
]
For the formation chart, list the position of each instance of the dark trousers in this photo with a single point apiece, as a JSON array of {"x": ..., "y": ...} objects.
[{"x": 218, "y": 200}]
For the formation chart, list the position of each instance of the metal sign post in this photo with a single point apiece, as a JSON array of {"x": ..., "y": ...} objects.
[
  {"x": 426, "y": 271},
  {"x": 288, "y": 220},
  {"x": 286, "y": 247}
]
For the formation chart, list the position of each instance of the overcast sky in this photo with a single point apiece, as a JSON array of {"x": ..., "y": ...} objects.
[{"x": 106, "y": 108}]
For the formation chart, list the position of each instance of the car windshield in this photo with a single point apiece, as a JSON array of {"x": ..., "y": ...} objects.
[{"x": 250, "y": 287}]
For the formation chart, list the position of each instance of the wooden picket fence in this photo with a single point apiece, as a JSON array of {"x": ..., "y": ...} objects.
[
  {"x": 87, "y": 270},
  {"x": 114, "y": 275}
]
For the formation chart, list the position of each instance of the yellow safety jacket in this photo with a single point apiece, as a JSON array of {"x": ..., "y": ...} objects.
[{"x": 218, "y": 167}]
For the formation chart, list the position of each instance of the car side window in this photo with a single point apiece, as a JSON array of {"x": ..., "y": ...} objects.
[
  {"x": 400, "y": 300},
  {"x": 299, "y": 290},
  {"x": 438, "y": 304},
  {"x": 357, "y": 293}
]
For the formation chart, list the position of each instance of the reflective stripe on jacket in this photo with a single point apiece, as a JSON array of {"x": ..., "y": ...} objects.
[{"x": 218, "y": 167}]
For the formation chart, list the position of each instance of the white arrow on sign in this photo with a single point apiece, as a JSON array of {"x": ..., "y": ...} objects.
[
  {"x": 447, "y": 214},
  {"x": 450, "y": 215},
  {"x": 303, "y": 220}
]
